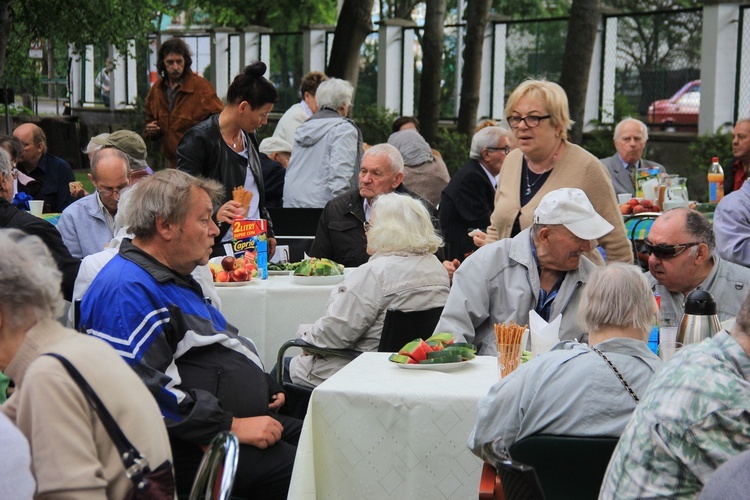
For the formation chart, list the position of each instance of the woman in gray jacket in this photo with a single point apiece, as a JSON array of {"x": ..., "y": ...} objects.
[{"x": 402, "y": 274}]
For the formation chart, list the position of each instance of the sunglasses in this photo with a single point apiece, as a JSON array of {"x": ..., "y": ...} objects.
[{"x": 663, "y": 251}]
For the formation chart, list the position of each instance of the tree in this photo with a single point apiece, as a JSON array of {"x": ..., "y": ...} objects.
[
  {"x": 432, "y": 69},
  {"x": 579, "y": 49},
  {"x": 477, "y": 15},
  {"x": 79, "y": 22},
  {"x": 353, "y": 26}
]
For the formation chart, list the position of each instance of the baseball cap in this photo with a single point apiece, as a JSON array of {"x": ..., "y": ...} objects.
[
  {"x": 572, "y": 208},
  {"x": 271, "y": 145},
  {"x": 126, "y": 141}
]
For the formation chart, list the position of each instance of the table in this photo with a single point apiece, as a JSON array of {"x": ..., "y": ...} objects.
[
  {"x": 375, "y": 430},
  {"x": 269, "y": 311}
]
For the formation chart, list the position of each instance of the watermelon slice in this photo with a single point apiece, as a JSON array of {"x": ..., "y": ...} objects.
[
  {"x": 399, "y": 358},
  {"x": 435, "y": 345},
  {"x": 417, "y": 350},
  {"x": 444, "y": 337}
]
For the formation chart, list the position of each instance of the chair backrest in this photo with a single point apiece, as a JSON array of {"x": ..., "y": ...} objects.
[
  {"x": 295, "y": 221},
  {"x": 399, "y": 327},
  {"x": 519, "y": 482},
  {"x": 567, "y": 466},
  {"x": 216, "y": 471}
]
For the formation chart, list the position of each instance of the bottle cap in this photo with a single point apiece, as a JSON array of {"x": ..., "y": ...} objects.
[
  {"x": 700, "y": 303},
  {"x": 715, "y": 159}
]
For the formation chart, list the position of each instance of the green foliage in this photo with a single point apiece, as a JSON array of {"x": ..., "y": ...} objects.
[
  {"x": 280, "y": 15},
  {"x": 16, "y": 110},
  {"x": 599, "y": 141},
  {"x": 452, "y": 145},
  {"x": 701, "y": 150},
  {"x": 375, "y": 123}
]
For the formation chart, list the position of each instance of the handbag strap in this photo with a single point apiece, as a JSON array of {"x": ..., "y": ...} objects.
[
  {"x": 617, "y": 372},
  {"x": 136, "y": 466}
]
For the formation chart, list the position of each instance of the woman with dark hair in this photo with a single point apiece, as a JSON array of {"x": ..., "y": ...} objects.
[{"x": 223, "y": 148}]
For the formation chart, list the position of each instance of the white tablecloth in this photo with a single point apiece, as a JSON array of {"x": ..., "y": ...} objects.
[
  {"x": 269, "y": 311},
  {"x": 375, "y": 430}
]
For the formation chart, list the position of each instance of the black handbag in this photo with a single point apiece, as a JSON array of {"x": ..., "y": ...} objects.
[{"x": 158, "y": 484}]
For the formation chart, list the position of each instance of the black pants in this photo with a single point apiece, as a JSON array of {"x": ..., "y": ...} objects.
[{"x": 261, "y": 474}]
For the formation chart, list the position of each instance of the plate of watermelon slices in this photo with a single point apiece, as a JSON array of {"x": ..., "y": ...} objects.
[{"x": 437, "y": 353}]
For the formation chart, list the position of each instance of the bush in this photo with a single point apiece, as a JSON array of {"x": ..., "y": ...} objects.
[
  {"x": 375, "y": 123},
  {"x": 453, "y": 146}
]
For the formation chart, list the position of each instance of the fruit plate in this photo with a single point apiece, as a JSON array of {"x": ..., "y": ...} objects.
[
  {"x": 438, "y": 367},
  {"x": 221, "y": 284},
  {"x": 317, "y": 280}
]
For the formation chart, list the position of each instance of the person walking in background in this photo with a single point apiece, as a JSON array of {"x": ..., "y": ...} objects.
[
  {"x": 102, "y": 81},
  {"x": 178, "y": 100},
  {"x": 300, "y": 112}
]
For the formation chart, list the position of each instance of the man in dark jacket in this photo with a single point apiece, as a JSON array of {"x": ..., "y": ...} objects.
[
  {"x": 736, "y": 172},
  {"x": 11, "y": 217},
  {"x": 205, "y": 377},
  {"x": 341, "y": 233},
  {"x": 469, "y": 198}
]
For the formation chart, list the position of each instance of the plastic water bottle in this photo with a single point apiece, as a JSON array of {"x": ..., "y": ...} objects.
[
  {"x": 653, "y": 336},
  {"x": 715, "y": 181}
]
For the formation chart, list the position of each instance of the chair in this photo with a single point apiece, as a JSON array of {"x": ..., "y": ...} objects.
[
  {"x": 295, "y": 227},
  {"x": 399, "y": 327},
  {"x": 567, "y": 466},
  {"x": 510, "y": 481},
  {"x": 637, "y": 227},
  {"x": 216, "y": 471}
]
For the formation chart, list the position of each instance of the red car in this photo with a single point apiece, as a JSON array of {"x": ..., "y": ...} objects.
[{"x": 679, "y": 111}]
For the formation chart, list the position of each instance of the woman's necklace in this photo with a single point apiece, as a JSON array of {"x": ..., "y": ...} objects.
[
  {"x": 540, "y": 175},
  {"x": 234, "y": 139}
]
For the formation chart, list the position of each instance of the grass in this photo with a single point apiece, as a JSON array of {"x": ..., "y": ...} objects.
[{"x": 83, "y": 178}]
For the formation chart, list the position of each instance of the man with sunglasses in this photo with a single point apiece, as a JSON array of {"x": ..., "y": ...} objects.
[
  {"x": 682, "y": 258},
  {"x": 88, "y": 225},
  {"x": 468, "y": 200}
]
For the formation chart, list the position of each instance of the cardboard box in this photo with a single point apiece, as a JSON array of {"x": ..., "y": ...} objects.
[{"x": 250, "y": 243}]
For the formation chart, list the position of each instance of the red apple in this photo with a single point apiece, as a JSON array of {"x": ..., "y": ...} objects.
[
  {"x": 638, "y": 209},
  {"x": 240, "y": 274},
  {"x": 228, "y": 263},
  {"x": 633, "y": 202}
]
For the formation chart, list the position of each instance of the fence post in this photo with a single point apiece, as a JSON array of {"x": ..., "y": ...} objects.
[
  {"x": 76, "y": 73},
  {"x": 609, "y": 70},
  {"x": 255, "y": 45},
  {"x": 718, "y": 72},
  {"x": 220, "y": 59},
  {"x": 492, "y": 86},
  {"x": 395, "y": 50},
  {"x": 123, "y": 85},
  {"x": 594, "y": 87},
  {"x": 314, "y": 56}
]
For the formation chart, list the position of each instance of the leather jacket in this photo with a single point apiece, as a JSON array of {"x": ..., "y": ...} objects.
[{"x": 203, "y": 152}]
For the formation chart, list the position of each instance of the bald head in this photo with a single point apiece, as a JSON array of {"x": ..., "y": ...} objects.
[
  {"x": 110, "y": 174},
  {"x": 34, "y": 145}
]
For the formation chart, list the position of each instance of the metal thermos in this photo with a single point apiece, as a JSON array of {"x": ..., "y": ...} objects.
[{"x": 699, "y": 321}]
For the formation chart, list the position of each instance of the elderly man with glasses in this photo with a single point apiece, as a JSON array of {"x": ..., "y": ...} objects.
[
  {"x": 88, "y": 225},
  {"x": 681, "y": 246},
  {"x": 468, "y": 200}
]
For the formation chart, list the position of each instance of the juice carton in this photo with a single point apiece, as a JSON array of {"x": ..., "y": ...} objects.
[{"x": 250, "y": 243}]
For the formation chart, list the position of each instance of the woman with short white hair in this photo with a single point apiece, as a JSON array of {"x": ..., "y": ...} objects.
[
  {"x": 402, "y": 274},
  {"x": 327, "y": 150}
]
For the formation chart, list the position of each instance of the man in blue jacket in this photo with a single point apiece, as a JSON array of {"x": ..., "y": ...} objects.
[{"x": 205, "y": 377}]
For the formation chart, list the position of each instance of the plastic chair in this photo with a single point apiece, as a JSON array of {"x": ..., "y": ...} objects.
[
  {"x": 638, "y": 226},
  {"x": 567, "y": 466},
  {"x": 510, "y": 481},
  {"x": 399, "y": 327},
  {"x": 216, "y": 471}
]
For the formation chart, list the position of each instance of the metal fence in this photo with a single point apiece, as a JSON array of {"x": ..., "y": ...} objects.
[{"x": 742, "y": 102}]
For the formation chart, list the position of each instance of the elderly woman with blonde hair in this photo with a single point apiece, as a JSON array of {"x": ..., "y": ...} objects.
[
  {"x": 402, "y": 274},
  {"x": 543, "y": 161}
]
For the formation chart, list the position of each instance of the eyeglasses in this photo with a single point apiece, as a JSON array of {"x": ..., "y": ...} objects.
[
  {"x": 112, "y": 191},
  {"x": 367, "y": 226},
  {"x": 663, "y": 251},
  {"x": 531, "y": 121},
  {"x": 505, "y": 150}
]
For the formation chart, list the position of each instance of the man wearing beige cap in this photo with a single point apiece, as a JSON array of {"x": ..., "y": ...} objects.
[
  {"x": 542, "y": 268},
  {"x": 274, "y": 153},
  {"x": 132, "y": 145}
]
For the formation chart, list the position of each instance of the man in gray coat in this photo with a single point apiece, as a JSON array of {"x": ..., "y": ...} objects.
[
  {"x": 542, "y": 268},
  {"x": 630, "y": 140}
]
